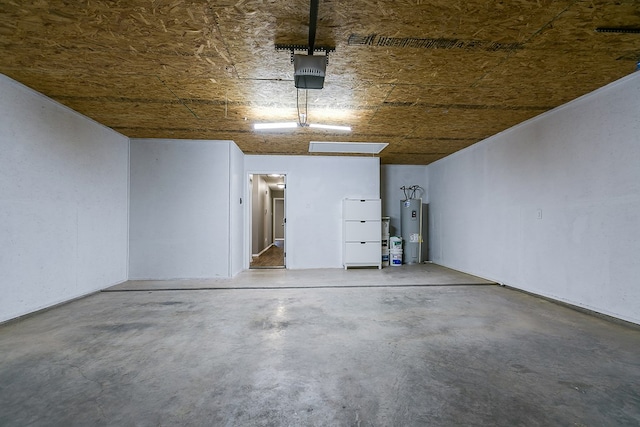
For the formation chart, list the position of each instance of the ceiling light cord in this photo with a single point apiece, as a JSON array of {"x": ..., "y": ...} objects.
[{"x": 302, "y": 117}]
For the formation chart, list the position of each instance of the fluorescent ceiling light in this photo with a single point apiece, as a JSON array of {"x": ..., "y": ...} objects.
[
  {"x": 346, "y": 147},
  {"x": 280, "y": 185},
  {"x": 291, "y": 125},
  {"x": 285, "y": 125},
  {"x": 332, "y": 127}
]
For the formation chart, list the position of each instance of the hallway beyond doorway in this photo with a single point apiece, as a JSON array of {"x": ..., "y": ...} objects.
[
  {"x": 267, "y": 228},
  {"x": 271, "y": 258}
]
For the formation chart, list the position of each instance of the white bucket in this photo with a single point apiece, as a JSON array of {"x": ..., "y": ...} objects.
[
  {"x": 395, "y": 242},
  {"x": 395, "y": 257}
]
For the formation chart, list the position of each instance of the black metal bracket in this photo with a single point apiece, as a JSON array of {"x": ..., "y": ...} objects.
[
  {"x": 301, "y": 47},
  {"x": 311, "y": 47},
  {"x": 622, "y": 30}
]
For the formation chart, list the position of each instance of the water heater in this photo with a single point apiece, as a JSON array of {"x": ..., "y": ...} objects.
[{"x": 411, "y": 230}]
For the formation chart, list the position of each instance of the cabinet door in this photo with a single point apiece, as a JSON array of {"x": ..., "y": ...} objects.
[
  {"x": 361, "y": 231},
  {"x": 362, "y": 209},
  {"x": 362, "y": 253}
]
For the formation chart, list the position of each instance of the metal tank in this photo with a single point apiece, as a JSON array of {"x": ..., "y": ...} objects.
[{"x": 411, "y": 230}]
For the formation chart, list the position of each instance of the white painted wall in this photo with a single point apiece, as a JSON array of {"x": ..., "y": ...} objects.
[
  {"x": 180, "y": 208},
  {"x": 63, "y": 203},
  {"x": 316, "y": 187},
  {"x": 392, "y": 178},
  {"x": 579, "y": 166}
]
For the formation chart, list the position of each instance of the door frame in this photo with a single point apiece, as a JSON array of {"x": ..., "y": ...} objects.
[{"x": 249, "y": 212}]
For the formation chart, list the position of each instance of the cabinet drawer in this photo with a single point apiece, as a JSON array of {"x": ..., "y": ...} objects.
[
  {"x": 362, "y": 209},
  {"x": 362, "y": 253},
  {"x": 362, "y": 231}
]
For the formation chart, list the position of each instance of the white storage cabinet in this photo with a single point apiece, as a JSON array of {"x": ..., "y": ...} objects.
[{"x": 361, "y": 233}]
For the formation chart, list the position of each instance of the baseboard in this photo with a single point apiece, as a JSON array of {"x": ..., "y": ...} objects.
[{"x": 263, "y": 251}]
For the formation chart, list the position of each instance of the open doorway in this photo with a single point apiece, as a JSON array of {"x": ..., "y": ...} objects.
[{"x": 268, "y": 237}]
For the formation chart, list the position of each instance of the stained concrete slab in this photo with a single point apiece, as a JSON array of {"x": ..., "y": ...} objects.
[{"x": 353, "y": 356}]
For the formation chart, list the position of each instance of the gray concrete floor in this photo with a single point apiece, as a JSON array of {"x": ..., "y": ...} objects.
[
  {"x": 259, "y": 351},
  {"x": 407, "y": 275}
]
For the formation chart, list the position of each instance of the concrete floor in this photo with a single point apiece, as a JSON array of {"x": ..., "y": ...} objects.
[{"x": 260, "y": 352}]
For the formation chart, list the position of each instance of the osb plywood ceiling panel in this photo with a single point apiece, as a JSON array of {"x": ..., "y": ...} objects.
[{"x": 427, "y": 77}]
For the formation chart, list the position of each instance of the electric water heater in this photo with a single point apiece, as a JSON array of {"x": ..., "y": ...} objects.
[{"x": 411, "y": 230}]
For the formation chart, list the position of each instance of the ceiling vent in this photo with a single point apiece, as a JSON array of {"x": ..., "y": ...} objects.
[{"x": 309, "y": 71}]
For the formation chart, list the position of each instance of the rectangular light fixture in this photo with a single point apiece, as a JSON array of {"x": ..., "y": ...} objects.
[
  {"x": 285, "y": 125},
  {"x": 330, "y": 127},
  {"x": 346, "y": 147}
]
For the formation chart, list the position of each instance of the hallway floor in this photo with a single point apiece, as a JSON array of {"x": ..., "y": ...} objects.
[
  {"x": 402, "y": 346},
  {"x": 273, "y": 257}
]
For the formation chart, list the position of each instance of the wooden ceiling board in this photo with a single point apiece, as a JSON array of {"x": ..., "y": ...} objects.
[
  {"x": 476, "y": 19},
  {"x": 573, "y": 69},
  {"x": 351, "y": 94},
  {"x": 480, "y": 96},
  {"x": 410, "y": 158},
  {"x": 428, "y": 77},
  {"x": 463, "y": 123},
  {"x": 131, "y": 113},
  {"x": 93, "y": 87},
  {"x": 206, "y": 88},
  {"x": 394, "y": 65},
  {"x": 109, "y": 63},
  {"x": 575, "y": 29},
  {"x": 296, "y": 142},
  {"x": 394, "y": 122},
  {"x": 428, "y": 146},
  {"x": 113, "y": 24},
  {"x": 177, "y": 133}
]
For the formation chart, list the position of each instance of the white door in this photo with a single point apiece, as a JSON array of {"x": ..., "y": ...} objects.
[{"x": 278, "y": 218}]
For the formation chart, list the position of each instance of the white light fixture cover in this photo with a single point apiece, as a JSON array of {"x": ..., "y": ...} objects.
[
  {"x": 346, "y": 147},
  {"x": 285, "y": 125},
  {"x": 291, "y": 125},
  {"x": 330, "y": 127}
]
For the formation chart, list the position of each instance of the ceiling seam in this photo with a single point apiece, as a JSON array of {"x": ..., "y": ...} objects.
[
  {"x": 377, "y": 108},
  {"x": 398, "y": 104},
  {"x": 178, "y": 98}
]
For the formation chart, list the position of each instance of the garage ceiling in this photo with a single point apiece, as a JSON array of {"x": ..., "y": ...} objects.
[{"x": 427, "y": 77}]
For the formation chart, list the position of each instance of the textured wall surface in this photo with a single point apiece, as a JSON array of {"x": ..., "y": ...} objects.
[
  {"x": 179, "y": 209},
  {"x": 63, "y": 203},
  {"x": 551, "y": 206}
]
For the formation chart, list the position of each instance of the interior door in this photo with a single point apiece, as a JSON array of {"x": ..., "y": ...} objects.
[{"x": 278, "y": 218}]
